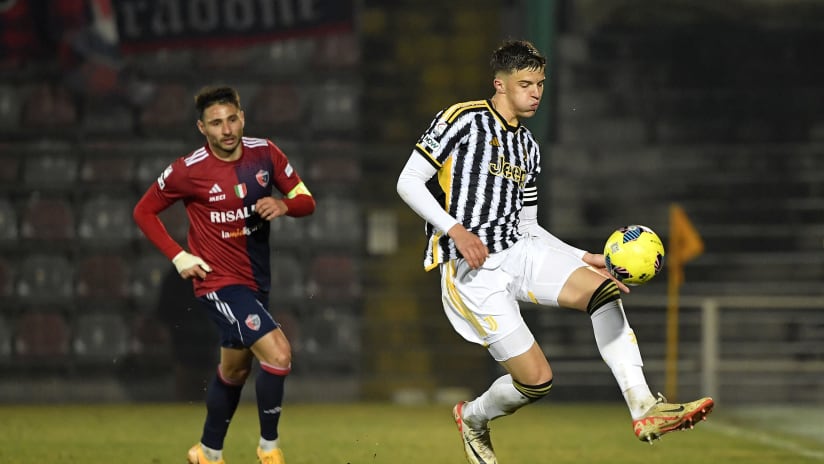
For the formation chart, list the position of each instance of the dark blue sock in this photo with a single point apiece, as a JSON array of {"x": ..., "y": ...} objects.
[
  {"x": 221, "y": 402},
  {"x": 269, "y": 390}
]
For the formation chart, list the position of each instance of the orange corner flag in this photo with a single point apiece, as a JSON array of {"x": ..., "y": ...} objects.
[{"x": 684, "y": 242}]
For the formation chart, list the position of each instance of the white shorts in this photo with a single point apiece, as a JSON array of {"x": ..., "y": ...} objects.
[{"x": 482, "y": 304}]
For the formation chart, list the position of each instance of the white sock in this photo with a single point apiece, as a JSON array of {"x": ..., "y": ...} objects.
[
  {"x": 211, "y": 454},
  {"x": 268, "y": 445},
  {"x": 619, "y": 349},
  {"x": 500, "y": 399}
]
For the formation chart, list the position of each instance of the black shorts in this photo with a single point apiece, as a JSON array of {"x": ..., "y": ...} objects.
[{"x": 241, "y": 315}]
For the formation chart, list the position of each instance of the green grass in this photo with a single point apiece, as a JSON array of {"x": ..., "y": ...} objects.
[{"x": 374, "y": 433}]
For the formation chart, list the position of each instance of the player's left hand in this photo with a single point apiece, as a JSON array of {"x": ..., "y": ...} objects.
[
  {"x": 270, "y": 207},
  {"x": 599, "y": 264}
]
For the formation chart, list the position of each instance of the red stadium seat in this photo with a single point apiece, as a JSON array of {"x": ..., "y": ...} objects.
[
  {"x": 102, "y": 277},
  {"x": 47, "y": 218},
  {"x": 333, "y": 277},
  {"x": 41, "y": 335},
  {"x": 49, "y": 106}
]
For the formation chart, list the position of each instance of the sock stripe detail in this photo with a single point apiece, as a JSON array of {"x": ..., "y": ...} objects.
[
  {"x": 606, "y": 292},
  {"x": 276, "y": 369},
  {"x": 533, "y": 392}
]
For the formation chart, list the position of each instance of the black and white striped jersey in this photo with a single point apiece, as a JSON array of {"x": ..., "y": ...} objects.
[{"x": 486, "y": 172}]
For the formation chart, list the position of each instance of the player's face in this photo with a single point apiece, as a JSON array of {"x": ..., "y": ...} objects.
[
  {"x": 222, "y": 124},
  {"x": 521, "y": 92}
]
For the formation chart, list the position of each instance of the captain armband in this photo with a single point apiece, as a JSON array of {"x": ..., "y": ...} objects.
[{"x": 299, "y": 189}]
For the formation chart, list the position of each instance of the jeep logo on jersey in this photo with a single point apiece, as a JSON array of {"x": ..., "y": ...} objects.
[
  {"x": 262, "y": 178},
  {"x": 222, "y": 217},
  {"x": 253, "y": 321}
]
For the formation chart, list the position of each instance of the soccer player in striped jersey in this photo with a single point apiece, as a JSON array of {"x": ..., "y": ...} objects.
[
  {"x": 472, "y": 177},
  {"x": 227, "y": 186}
]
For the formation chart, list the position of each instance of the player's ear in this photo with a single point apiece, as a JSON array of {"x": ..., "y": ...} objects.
[
  {"x": 242, "y": 119},
  {"x": 200, "y": 127},
  {"x": 499, "y": 85}
]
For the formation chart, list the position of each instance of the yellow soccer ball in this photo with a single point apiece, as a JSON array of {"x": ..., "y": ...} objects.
[{"x": 634, "y": 254}]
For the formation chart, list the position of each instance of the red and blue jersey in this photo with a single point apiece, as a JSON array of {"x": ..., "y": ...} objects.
[{"x": 220, "y": 196}]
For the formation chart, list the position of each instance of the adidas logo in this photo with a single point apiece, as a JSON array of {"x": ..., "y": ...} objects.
[{"x": 215, "y": 189}]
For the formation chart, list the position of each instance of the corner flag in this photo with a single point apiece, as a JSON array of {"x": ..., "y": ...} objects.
[{"x": 684, "y": 245}]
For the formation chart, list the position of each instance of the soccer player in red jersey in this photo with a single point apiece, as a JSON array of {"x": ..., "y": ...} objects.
[{"x": 227, "y": 188}]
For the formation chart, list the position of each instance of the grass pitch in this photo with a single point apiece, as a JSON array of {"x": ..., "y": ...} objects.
[{"x": 381, "y": 433}]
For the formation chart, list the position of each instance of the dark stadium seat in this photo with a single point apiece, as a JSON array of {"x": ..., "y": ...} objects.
[
  {"x": 276, "y": 105},
  {"x": 50, "y": 167},
  {"x": 10, "y": 174},
  {"x": 335, "y": 107},
  {"x": 106, "y": 221},
  {"x": 102, "y": 277},
  {"x": 100, "y": 337},
  {"x": 336, "y": 51},
  {"x": 45, "y": 278},
  {"x": 331, "y": 339},
  {"x": 107, "y": 117},
  {"x": 337, "y": 220},
  {"x": 6, "y": 339},
  {"x": 110, "y": 172},
  {"x": 10, "y": 107},
  {"x": 149, "y": 338},
  {"x": 333, "y": 277},
  {"x": 146, "y": 277},
  {"x": 338, "y": 170},
  {"x": 41, "y": 335},
  {"x": 287, "y": 229},
  {"x": 169, "y": 111},
  {"x": 49, "y": 106},
  {"x": 47, "y": 219},
  {"x": 149, "y": 168},
  {"x": 7, "y": 275},
  {"x": 8, "y": 223},
  {"x": 288, "y": 276}
]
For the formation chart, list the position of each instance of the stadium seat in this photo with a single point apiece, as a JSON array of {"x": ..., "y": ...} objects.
[
  {"x": 333, "y": 277},
  {"x": 10, "y": 107},
  {"x": 49, "y": 106},
  {"x": 45, "y": 278},
  {"x": 284, "y": 57},
  {"x": 276, "y": 105},
  {"x": 149, "y": 338},
  {"x": 50, "y": 167},
  {"x": 337, "y": 51},
  {"x": 7, "y": 274},
  {"x": 106, "y": 221},
  {"x": 169, "y": 111},
  {"x": 107, "y": 117},
  {"x": 102, "y": 277},
  {"x": 149, "y": 169},
  {"x": 339, "y": 170},
  {"x": 335, "y": 107},
  {"x": 6, "y": 339},
  {"x": 337, "y": 220},
  {"x": 147, "y": 275},
  {"x": 47, "y": 219},
  {"x": 332, "y": 339},
  {"x": 41, "y": 335},
  {"x": 287, "y": 229},
  {"x": 288, "y": 276},
  {"x": 110, "y": 172},
  {"x": 10, "y": 174},
  {"x": 100, "y": 337},
  {"x": 8, "y": 223}
]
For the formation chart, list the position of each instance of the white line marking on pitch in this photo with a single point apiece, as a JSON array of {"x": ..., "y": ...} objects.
[{"x": 765, "y": 439}]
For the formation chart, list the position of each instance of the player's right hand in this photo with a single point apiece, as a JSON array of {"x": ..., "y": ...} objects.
[
  {"x": 470, "y": 245},
  {"x": 190, "y": 266}
]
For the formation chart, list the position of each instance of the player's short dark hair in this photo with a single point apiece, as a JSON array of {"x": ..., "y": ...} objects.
[
  {"x": 209, "y": 96},
  {"x": 515, "y": 55}
]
